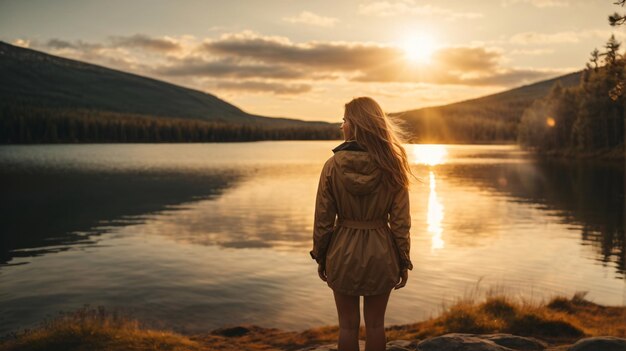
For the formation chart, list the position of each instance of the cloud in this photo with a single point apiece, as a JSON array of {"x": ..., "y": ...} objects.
[
  {"x": 135, "y": 53},
  {"x": 544, "y": 38},
  {"x": 531, "y": 52},
  {"x": 145, "y": 42},
  {"x": 25, "y": 43},
  {"x": 137, "y": 41},
  {"x": 77, "y": 45},
  {"x": 366, "y": 62},
  {"x": 228, "y": 67},
  {"x": 409, "y": 7},
  {"x": 499, "y": 77},
  {"x": 471, "y": 66},
  {"x": 252, "y": 62},
  {"x": 97, "y": 53},
  {"x": 467, "y": 58},
  {"x": 257, "y": 86},
  {"x": 537, "y": 3},
  {"x": 516, "y": 76},
  {"x": 566, "y": 37},
  {"x": 326, "y": 55},
  {"x": 307, "y": 17}
]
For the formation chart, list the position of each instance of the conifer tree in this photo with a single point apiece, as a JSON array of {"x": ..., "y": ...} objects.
[{"x": 617, "y": 19}]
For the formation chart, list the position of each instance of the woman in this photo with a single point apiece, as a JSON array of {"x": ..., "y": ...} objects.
[{"x": 365, "y": 185}]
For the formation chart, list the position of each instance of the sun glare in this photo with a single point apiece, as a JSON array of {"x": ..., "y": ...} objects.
[
  {"x": 419, "y": 48},
  {"x": 429, "y": 154}
]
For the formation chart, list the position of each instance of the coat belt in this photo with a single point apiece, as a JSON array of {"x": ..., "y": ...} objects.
[{"x": 350, "y": 223}]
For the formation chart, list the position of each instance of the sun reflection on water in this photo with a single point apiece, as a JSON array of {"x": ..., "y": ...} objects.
[
  {"x": 435, "y": 216},
  {"x": 432, "y": 155},
  {"x": 429, "y": 154}
]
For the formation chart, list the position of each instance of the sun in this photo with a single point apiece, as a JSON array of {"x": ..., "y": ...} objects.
[{"x": 419, "y": 48}]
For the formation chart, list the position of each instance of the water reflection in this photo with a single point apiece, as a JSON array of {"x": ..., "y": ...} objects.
[
  {"x": 202, "y": 235},
  {"x": 435, "y": 216},
  {"x": 46, "y": 211},
  {"x": 431, "y": 155},
  {"x": 427, "y": 154},
  {"x": 588, "y": 197},
  {"x": 271, "y": 210}
]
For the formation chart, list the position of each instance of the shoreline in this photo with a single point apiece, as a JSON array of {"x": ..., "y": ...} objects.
[
  {"x": 553, "y": 325},
  {"x": 609, "y": 154}
]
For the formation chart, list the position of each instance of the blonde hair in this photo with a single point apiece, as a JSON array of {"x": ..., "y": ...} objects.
[{"x": 382, "y": 138}]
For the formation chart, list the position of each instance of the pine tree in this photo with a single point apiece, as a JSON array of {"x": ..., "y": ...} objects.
[
  {"x": 612, "y": 51},
  {"x": 617, "y": 19},
  {"x": 595, "y": 57}
]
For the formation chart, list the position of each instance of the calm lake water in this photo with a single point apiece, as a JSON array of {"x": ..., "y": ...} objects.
[{"x": 197, "y": 236}]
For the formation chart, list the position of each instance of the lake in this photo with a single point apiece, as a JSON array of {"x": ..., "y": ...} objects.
[{"x": 192, "y": 237}]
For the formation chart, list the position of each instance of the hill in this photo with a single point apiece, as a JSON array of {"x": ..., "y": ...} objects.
[
  {"x": 492, "y": 118},
  {"x": 48, "y": 98},
  {"x": 43, "y": 94}
]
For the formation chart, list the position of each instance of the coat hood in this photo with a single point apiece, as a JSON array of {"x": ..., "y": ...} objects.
[{"x": 355, "y": 168}]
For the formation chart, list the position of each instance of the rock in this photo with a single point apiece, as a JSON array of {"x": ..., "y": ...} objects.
[
  {"x": 520, "y": 343},
  {"x": 600, "y": 343},
  {"x": 460, "y": 342},
  {"x": 394, "y": 345},
  {"x": 231, "y": 331},
  {"x": 325, "y": 347},
  {"x": 397, "y": 348},
  {"x": 329, "y": 347},
  {"x": 401, "y": 345}
]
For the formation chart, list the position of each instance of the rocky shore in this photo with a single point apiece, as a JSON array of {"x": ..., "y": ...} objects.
[
  {"x": 490, "y": 342},
  {"x": 499, "y": 323},
  {"x": 454, "y": 342}
]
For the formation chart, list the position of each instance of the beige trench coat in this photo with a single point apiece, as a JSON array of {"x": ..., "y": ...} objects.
[{"x": 361, "y": 228}]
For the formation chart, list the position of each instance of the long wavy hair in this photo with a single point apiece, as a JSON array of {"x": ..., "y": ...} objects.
[{"x": 382, "y": 138}]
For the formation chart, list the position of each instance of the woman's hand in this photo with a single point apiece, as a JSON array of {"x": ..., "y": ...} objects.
[
  {"x": 404, "y": 276},
  {"x": 321, "y": 271}
]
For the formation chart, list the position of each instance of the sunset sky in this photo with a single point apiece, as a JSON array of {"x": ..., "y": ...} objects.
[{"x": 305, "y": 59}]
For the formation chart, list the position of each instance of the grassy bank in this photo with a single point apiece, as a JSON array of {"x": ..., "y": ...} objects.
[{"x": 558, "y": 321}]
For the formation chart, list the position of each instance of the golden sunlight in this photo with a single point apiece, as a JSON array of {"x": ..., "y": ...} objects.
[
  {"x": 419, "y": 48},
  {"x": 550, "y": 122},
  {"x": 429, "y": 154},
  {"x": 435, "y": 216}
]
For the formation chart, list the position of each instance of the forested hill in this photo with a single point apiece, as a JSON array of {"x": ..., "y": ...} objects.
[
  {"x": 44, "y": 80},
  {"x": 492, "y": 118},
  {"x": 46, "y": 98}
]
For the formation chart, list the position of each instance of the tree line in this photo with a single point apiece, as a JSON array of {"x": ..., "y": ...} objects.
[
  {"x": 587, "y": 117},
  {"x": 28, "y": 124},
  {"x": 462, "y": 124}
]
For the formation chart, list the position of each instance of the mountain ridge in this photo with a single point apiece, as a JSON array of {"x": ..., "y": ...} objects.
[
  {"x": 47, "y": 82},
  {"x": 490, "y": 118},
  {"x": 52, "y": 86}
]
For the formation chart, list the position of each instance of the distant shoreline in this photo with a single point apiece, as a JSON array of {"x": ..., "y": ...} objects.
[
  {"x": 512, "y": 143},
  {"x": 609, "y": 154}
]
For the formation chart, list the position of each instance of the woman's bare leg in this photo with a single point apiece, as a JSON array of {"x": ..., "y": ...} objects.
[
  {"x": 349, "y": 321},
  {"x": 374, "y": 307}
]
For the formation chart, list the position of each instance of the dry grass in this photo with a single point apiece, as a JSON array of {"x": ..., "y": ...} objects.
[
  {"x": 558, "y": 321},
  {"x": 95, "y": 329}
]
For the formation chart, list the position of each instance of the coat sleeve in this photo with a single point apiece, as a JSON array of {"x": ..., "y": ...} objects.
[
  {"x": 400, "y": 224},
  {"x": 325, "y": 212}
]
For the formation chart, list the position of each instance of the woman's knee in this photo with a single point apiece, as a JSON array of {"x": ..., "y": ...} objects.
[
  {"x": 349, "y": 319},
  {"x": 349, "y": 324},
  {"x": 375, "y": 324}
]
